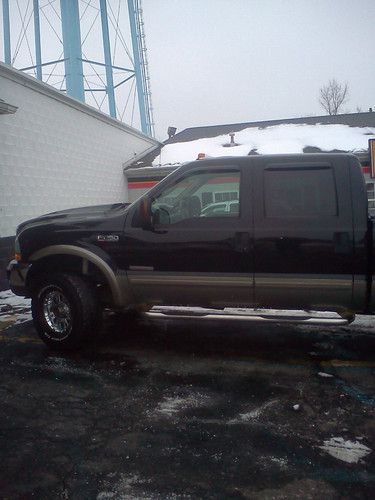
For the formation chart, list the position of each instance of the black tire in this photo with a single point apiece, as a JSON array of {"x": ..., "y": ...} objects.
[{"x": 65, "y": 310}]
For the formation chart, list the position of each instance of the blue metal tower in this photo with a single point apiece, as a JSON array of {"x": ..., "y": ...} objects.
[{"x": 71, "y": 23}]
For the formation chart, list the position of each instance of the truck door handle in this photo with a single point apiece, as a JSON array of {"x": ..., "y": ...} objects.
[{"x": 242, "y": 242}]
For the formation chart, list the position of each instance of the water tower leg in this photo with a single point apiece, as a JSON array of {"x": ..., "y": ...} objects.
[
  {"x": 107, "y": 58},
  {"x": 137, "y": 66},
  {"x": 38, "y": 50},
  {"x": 72, "y": 49},
  {"x": 6, "y": 25}
]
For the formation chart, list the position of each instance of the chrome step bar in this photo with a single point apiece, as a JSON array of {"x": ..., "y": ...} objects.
[{"x": 260, "y": 315}]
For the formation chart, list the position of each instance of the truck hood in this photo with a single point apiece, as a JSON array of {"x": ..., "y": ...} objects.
[{"x": 73, "y": 215}]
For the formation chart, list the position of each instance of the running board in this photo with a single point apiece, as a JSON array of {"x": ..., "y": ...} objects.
[{"x": 263, "y": 315}]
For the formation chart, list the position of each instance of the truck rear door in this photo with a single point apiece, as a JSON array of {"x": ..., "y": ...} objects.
[{"x": 303, "y": 235}]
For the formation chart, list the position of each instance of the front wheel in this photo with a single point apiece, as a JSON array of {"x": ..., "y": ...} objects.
[{"x": 64, "y": 309}]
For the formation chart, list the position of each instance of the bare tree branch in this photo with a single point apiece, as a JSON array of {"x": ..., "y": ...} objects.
[{"x": 333, "y": 96}]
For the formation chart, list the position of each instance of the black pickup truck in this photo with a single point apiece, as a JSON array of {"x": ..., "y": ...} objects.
[{"x": 285, "y": 232}]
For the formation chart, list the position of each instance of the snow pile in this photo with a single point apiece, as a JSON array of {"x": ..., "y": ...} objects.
[{"x": 288, "y": 138}]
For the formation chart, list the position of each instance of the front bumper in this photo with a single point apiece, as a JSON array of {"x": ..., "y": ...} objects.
[{"x": 17, "y": 274}]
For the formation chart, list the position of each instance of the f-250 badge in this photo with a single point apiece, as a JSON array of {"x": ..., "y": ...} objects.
[{"x": 107, "y": 237}]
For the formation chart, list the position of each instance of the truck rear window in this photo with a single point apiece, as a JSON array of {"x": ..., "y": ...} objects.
[{"x": 299, "y": 192}]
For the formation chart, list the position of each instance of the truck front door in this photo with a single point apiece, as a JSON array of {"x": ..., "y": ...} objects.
[
  {"x": 198, "y": 250},
  {"x": 303, "y": 233}
]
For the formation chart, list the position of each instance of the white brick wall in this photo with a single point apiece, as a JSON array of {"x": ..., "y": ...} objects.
[{"x": 57, "y": 153}]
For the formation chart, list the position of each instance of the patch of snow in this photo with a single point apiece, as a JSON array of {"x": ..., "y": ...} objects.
[
  {"x": 123, "y": 487},
  {"x": 172, "y": 405},
  {"x": 13, "y": 308},
  {"x": 325, "y": 375},
  {"x": 62, "y": 366},
  {"x": 347, "y": 451},
  {"x": 253, "y": 414},
  {"x": 282, "y": 462},
  {"x": 362, "y": 321},
  {"x": 285, "y": 138},
  {"x": 8, "y": 298}
]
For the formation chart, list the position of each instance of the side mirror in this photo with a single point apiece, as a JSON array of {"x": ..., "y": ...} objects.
[
  {"x": 161, "y": 217},
  {"x": 145, "y": 213}
]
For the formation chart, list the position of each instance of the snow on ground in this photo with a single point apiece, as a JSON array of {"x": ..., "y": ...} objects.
[
  {"x": 347, "y": 451},
  {"x": 14, "y": 309},
  {"x": 171, "y": 406},
  {"x": 8, "y": 298},
  {"x": 287, "y": 138},
  {"x": 124, "y": 487},
  {"x": 325, "y": 375},
  {"x": 254, "y": 414}
]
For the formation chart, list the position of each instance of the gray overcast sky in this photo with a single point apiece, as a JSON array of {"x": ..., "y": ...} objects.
[{"x": 228, "y": 61}]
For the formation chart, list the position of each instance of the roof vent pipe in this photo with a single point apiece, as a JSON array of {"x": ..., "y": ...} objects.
[{"x": 230, "y": 144}]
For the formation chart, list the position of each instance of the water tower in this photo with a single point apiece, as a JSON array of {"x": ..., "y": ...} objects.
[{"x": 94, "y": 50}]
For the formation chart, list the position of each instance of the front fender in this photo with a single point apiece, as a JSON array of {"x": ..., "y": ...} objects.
[{"x": 118, "y": 283}]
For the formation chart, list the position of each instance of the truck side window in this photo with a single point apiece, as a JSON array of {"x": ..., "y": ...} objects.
[
  {"x": 299, "y": 192},
  {"x": 187, "y": 198}
]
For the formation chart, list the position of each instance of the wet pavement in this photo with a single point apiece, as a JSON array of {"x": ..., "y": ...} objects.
[{"x": 180, "y": 409}]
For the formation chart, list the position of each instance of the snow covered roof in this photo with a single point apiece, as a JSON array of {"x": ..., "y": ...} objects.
[
  {"x": 312, "y": 134},
  {"x": 282, "y": 138},
  {"x": 351, "y": 119}
]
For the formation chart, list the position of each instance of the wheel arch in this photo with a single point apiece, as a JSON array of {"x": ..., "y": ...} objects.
[{"x": 84, "y": 255}]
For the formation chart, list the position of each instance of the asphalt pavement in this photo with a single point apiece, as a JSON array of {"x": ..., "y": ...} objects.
[{"x": 177, "y": 409}]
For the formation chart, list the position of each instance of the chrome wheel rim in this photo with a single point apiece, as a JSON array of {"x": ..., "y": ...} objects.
[{"x": 57, "y": 313}]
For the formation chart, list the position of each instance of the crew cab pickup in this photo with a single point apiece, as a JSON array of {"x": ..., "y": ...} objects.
[{"x": 297, "y": 238}]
